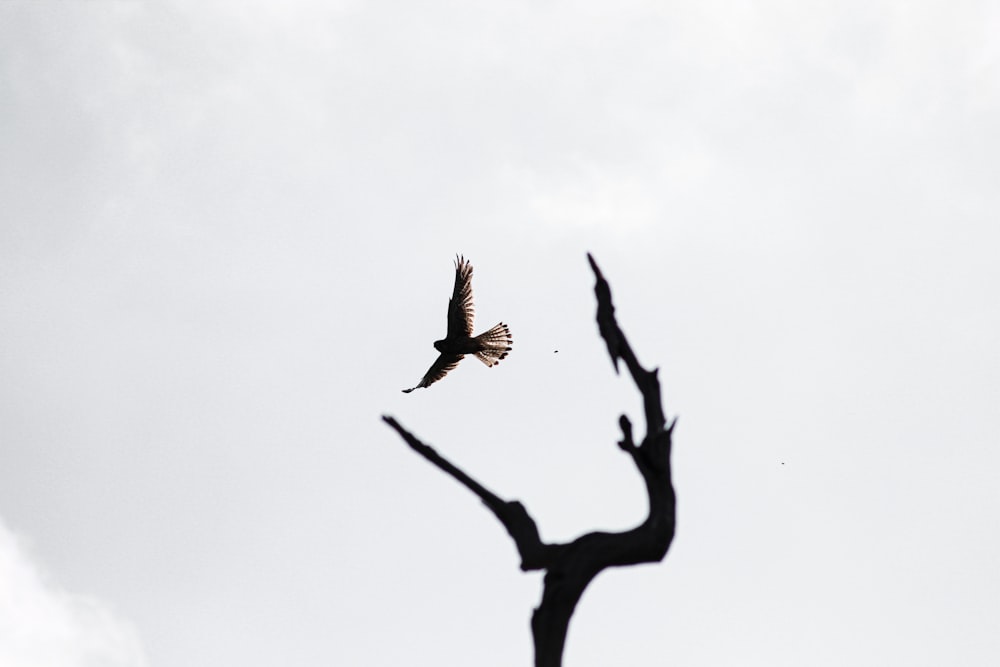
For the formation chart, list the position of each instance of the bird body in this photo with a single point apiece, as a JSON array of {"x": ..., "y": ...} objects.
[{"x": 489, "y": 347}]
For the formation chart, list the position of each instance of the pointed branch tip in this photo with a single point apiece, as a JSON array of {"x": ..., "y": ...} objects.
[
  {"x": 594, "y": 267},
  {"x": 626, "y": 443}
]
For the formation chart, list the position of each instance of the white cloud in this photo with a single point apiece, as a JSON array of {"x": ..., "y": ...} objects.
[{"x": 42, "y": 625}]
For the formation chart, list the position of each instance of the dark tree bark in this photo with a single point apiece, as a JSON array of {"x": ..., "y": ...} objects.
[{"x": 570, "y": 567}]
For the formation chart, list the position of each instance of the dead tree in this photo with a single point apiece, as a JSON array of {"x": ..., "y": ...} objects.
[{"x": 571, "y": 566}]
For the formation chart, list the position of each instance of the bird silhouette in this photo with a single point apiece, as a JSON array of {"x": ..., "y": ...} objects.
[{"x": 489, "y": 347}]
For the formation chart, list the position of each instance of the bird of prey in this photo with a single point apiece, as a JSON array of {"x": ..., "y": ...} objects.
[{"x": 489, "y": 347}]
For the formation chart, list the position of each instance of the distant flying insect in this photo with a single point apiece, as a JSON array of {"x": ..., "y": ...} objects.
[{"x": 489, "y": 347}]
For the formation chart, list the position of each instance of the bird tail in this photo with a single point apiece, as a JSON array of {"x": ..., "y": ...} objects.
[{"x": 496, "y": 344}]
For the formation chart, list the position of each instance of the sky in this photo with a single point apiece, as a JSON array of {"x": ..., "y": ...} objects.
[{"x": 226, "y": 244}]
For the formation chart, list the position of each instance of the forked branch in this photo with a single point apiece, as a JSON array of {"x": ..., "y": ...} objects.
[{"x": 570, "y": 567}]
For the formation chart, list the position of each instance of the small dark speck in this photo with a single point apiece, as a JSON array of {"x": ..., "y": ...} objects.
[
  {"x": 555, "y": 351},
  {"x": 782, "y": 463}
]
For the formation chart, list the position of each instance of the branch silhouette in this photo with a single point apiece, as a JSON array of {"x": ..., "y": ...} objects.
[{"x": 571, "y": 566}]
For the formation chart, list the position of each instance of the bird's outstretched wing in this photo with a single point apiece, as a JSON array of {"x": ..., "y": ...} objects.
[
  {"x": 460, "y": 309},
  {"x": 438, "y": 370}
]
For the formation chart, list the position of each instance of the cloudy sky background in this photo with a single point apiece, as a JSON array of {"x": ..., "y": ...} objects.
[{"x": 226, "y": 243}]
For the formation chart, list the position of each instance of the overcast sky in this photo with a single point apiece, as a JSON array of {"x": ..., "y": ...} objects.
[{"x": 226, "y": 241}]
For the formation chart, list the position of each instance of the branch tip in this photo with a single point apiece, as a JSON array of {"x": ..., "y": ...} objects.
[
  {"x": 594, "y": 267},
  {"x": 606, "y": 323},
  {"x": 626, "y": 443}
]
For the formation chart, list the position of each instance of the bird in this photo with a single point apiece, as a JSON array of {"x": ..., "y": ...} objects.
[{"x": 489, "y": 347}]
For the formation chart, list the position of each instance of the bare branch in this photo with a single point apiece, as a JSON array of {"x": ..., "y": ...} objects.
[
  {"x": 535, "y": 555},
  {"x": 618, "y": 348}
]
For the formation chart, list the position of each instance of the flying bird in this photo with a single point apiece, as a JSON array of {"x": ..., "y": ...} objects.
[{"x": 489, "y": 347}]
